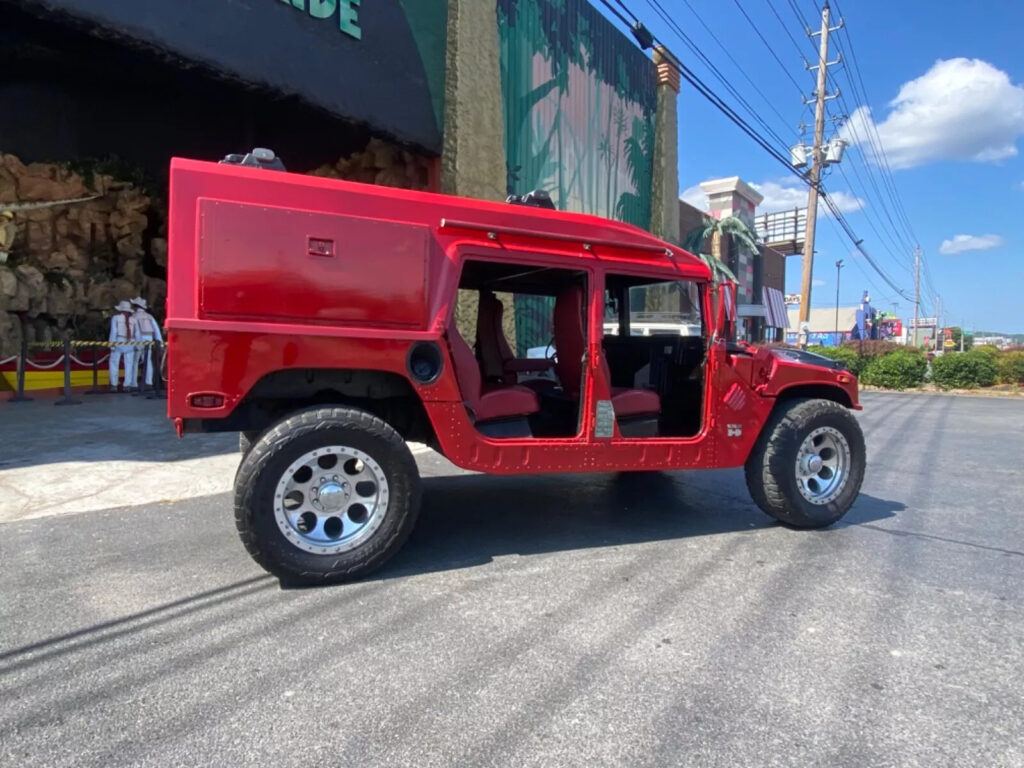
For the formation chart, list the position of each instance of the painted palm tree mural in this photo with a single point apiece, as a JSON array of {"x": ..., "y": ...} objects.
[{"x": 579, "y": 100}]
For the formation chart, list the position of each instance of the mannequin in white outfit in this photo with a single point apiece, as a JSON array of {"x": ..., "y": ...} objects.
[
  {"x": 123, "y": 327},
  {"x": 148, "y": 330}
]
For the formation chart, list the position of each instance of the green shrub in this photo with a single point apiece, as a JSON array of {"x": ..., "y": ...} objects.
[
  {"x": 902, "y": 369},
  {"x": 964, "y": 370},
  {"x": 870, "y": 348},
  {"x": 846, "y": 355},
  {"x": 1010, "y": 367},
  {"x": 994, "y": 352}
]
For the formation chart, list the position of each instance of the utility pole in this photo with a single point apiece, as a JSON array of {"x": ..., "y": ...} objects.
[
  {"x": 917, "y": 290},
  {"x": 938, "y": 325},
  {"x": 839, "y": 266},
  {"x": 816, "y": 158}
]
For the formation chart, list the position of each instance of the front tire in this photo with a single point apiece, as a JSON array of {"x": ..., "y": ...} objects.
[
  {"x": 245, "y": 441},
  {"x": 326, "y": 495},
  {"x": 808, "y": 464}
]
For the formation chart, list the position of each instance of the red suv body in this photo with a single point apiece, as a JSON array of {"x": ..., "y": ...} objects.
[{"x": 290, "y": 294}]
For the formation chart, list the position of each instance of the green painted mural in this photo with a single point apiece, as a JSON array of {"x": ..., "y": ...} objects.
[
  {"x": 428, "y": 22},
  {"x": 579, "y": 100}
]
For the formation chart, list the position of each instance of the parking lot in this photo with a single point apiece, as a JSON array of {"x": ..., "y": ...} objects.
[{"x": 559, "y": 620}]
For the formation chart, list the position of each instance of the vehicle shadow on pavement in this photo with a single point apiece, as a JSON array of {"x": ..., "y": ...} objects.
[{"x": 468, "y": 520}]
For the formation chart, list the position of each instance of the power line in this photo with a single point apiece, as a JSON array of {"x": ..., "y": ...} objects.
[
  {"x": 695, "y": 49},
  {"x": 672, "y": 23},
  {"x": 769, "y": 47},
  {"x": 859, "y": 245},
  {"x": 858, "y": 142},
  {"x": 617, "y": 13},
  {"x": 799, "y": 15},
  {"x": 885, "y": 160},
  {"x": 869, "y": 217},
  {"x": 708, "y": 93},
  {"x": 786, "y": 30},
  {"x": 873, "y": 169},
  {"x": 906, "y": 245}
]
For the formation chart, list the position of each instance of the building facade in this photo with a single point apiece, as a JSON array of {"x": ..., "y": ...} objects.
[
  {"x": 760, "y": 274},
  {"x": 472, "y": 97}
]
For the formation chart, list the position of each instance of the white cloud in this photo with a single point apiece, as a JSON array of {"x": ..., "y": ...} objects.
[
  {"x": 960, "y": 109},
  {"x": 818, "y": 283},
  {"x": 965, "y": 243},
  {"x": 782, "y": 195},
  {"x": 779, "y": 195},
  {"x": 695, "y": 196}
]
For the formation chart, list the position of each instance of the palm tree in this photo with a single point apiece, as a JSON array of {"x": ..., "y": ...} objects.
[{"x": 714, "y": 228}]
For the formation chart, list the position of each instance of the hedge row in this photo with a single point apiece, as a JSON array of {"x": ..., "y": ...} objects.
[{"x": 888, "y": 365}]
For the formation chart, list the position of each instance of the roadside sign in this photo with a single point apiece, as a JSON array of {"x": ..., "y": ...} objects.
[{"x": 948, "y": 343}]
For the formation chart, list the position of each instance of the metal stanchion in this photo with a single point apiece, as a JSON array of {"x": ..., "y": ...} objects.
[
  {"x": 159, "y": 391},
  {"x": 147, "y": 361},
  {"x": 67, "y": 399},
  {"x": 95, "y": 374},
  {"x": 19, "y": 396}
]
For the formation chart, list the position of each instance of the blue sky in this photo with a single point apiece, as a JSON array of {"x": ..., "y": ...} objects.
[{"x": 945, "y": 90}]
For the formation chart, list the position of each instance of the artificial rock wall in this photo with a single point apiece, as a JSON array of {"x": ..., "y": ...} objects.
[{"x": 69, "y": 263}]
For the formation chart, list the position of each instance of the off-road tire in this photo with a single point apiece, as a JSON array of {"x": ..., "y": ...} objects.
[
  {"x": 273, "y": 453},
  {"x": 771, "y": 468}
]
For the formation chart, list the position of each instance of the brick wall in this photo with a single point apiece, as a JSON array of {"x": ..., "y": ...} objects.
[{"x": 774, "y": 269}]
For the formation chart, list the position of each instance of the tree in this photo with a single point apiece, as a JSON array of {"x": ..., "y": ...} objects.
[
  {"x": 714, "y": 228},
  {"x": 956, "y": 332}
]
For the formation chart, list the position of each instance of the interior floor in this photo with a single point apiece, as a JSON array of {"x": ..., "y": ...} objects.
[{"x": 672, "y": 366}]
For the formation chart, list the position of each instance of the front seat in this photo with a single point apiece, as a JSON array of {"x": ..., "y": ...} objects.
[
  {"x": 487, "y": 401},
  {"x": 570, "y": 342},
  {"x": 496, "y": 358}
]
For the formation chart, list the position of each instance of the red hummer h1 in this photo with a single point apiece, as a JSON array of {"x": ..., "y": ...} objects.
[{"x": 319, "y": 319}]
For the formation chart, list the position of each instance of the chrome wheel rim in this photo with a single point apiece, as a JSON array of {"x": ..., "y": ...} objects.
[
  {"x": 331, "y": 500},
  {"x": 823, "y": 465}
]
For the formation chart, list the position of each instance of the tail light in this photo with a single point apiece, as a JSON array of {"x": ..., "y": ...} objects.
[{"x": 207, "y": 400}]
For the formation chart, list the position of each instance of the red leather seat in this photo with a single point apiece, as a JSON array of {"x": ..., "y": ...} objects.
[
  {"x": 487, "y": 401},
  {"x": 496, "y": 357},
  {"x": 570, "y": 342},
  {"x": 635, "y": 402},
  {"x": 499, "y": 402}
]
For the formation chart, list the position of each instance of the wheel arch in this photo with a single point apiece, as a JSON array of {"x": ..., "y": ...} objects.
[
  {"x": 813, "y": 391},
  {"x": 388, "y": 395}
]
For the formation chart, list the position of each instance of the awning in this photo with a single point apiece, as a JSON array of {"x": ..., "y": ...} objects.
[
  {"x": 379, "y": 64},
  {"x": 774, "y": 308}
]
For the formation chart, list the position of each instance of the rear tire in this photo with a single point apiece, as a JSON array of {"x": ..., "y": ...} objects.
[
  {"x": 808, "y": 464},
  {"x": 326, "y": 495}
]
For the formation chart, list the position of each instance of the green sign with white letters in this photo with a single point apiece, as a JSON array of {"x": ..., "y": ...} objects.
[{"x": 346, "y": 12}]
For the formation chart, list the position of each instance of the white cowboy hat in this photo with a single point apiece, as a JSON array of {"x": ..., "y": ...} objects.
[
  {"x": 138, "y": 301},
  {"x": 123, "y": 306}
]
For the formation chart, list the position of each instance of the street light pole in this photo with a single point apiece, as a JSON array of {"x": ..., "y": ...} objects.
[{"x": 839, "y": 266}]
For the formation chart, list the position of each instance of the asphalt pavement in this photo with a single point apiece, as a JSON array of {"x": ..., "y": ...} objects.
[{"x": 596, "y": 620}]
